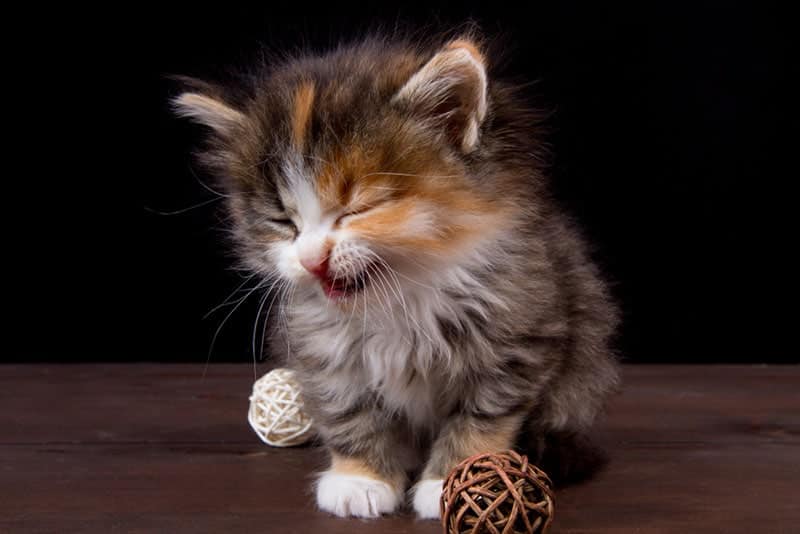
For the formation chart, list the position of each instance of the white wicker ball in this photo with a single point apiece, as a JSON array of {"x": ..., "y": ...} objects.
[{"x": 276, "y": 410}]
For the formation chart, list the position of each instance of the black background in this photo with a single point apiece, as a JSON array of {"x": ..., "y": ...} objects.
[{"x": 673, "y": 145}]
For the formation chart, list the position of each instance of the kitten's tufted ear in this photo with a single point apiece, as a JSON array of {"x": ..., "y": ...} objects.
[
  {"x": 203, "y": 104},
  {"x": 451, "y": 88}
]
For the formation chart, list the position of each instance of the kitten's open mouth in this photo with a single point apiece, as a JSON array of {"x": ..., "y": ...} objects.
[{"x": 342, "y": 287}]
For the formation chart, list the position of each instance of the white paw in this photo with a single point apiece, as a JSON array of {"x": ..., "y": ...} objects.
[
  {"x": 427, "y": 494},
  {"x": 354, "y": 495}
]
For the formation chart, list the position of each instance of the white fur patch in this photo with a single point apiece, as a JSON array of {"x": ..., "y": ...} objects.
[
  {"x": 354, "y": 495},
  {"x": 208, "y": 111},
  {"x": 427, "y": 494}
]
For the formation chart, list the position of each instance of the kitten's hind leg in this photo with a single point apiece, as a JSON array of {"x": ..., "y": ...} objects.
[
  {"x": 462, "y": 436},
  {"x": 556, "y": 436}
]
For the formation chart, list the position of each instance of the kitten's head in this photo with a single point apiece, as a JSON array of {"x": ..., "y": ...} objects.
[{"x": 363, "y": 169}]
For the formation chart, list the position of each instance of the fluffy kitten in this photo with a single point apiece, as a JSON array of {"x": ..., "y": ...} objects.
[{"x": 436, "y": 302}]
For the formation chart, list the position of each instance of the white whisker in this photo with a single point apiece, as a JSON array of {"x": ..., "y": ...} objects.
[
  {"x": 183, "y": 210},
  {"x": 227, "y": 300},
  {"x": 219, "y": 328}
]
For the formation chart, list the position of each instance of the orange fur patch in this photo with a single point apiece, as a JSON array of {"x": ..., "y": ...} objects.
[
  {"x": 354, "y": 466},
  {"x": 498, "y": 435},
  {"x": 350, "y": 181},
  {"x": 301, "y": 113},
  {"x": 386, "y": 202},
  {"x": 455, "y": 217},
  {"x": 504, "y": 432}
]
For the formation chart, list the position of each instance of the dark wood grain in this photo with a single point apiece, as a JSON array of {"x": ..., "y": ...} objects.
[{"x": 159, "y": 448}]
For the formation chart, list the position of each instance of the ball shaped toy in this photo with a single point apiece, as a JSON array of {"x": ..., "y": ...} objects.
[
  {"x": 497, "y": 493},
  {"x": 276, "y": 410}
]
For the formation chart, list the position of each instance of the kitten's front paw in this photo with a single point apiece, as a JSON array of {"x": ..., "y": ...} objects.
[
  {"x": 354, "y": 495},
  {"x": 427, "y": 494}
]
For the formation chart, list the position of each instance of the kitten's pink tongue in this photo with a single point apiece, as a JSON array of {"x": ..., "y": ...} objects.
[{"x": 332, "y": 291}]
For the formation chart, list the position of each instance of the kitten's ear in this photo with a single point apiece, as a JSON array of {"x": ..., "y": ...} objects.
[
  {"x": 451, "y": 89},
  {"x": 203, "y": 104}
]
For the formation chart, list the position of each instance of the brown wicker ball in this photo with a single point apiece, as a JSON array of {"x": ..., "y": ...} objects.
[{"x": 497, "y": 493}]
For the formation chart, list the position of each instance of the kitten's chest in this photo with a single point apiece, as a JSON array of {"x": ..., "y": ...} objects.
[
  {"x": 387, "y": 361},
  {"x": 395, "y": 367}
]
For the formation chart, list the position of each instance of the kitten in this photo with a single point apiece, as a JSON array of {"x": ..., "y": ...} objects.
[{"x": 436, "y": 301}]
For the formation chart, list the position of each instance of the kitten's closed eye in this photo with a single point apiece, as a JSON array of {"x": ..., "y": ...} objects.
[
  {"x": 369, "y": 199},
  {"x": 284, "y": 223},
  {"x": 352, "y": 212}
]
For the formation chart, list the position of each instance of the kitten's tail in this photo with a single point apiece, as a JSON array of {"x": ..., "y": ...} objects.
[{"x": 568, "y": 457}]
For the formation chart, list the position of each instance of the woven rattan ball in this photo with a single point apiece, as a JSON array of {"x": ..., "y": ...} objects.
[
  {"x": 276, "y": 410},
  {"x": 497, "y": 493}
]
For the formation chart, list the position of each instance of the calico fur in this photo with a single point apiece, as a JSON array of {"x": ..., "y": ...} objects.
[{"x": 458, "y": 310}]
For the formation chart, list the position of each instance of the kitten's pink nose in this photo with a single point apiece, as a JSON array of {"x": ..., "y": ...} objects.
[{"x": 316, "y": 266}]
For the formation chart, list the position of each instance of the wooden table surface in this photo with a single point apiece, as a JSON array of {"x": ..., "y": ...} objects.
[{"x": 159, "y": 448}]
